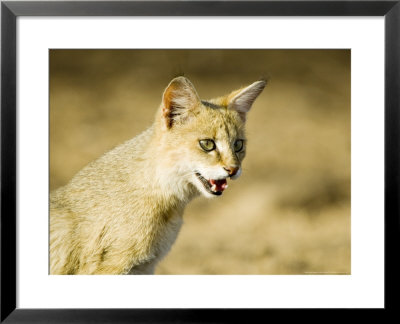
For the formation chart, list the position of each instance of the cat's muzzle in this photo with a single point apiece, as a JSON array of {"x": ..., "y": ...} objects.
[{"x": 215, "y": 187}]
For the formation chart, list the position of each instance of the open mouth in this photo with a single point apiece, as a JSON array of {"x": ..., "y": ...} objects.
[{"x": 215, "y": 187}]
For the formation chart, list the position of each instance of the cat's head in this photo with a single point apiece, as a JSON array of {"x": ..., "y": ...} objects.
[{"x": 205, "y": 140}]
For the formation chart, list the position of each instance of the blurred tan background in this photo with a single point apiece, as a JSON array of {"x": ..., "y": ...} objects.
[{"x": 289, "y": 213}]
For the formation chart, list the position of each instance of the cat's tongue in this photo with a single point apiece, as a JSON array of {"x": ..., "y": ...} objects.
[{"x": 218, "y": 185}]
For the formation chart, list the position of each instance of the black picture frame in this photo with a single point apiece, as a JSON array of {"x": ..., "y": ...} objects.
[{"x": 10, "y": 10}]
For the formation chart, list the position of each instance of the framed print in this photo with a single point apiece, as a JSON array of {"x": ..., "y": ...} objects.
[{"x": 311, "y": 223}]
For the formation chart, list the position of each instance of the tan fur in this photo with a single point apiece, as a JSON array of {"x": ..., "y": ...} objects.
[{"x": 122, "y": 213}]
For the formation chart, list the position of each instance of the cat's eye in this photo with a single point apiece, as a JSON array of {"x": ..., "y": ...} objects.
[
  {"x": 238, "y": 145},
  {"x": 207, "y": 145}
]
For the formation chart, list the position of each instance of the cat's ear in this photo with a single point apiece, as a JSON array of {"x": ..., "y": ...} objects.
[
  {"x": 179, "y": 101},
  {"x": 241, "y": 100}
]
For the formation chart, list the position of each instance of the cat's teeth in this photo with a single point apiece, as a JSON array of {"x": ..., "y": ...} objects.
[{"x": 214, "y": 187}]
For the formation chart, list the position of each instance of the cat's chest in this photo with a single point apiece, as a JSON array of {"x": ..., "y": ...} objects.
[
  {"x": 163, "y": 239},
  {"x": 166, "y": 236},
  {"x": 154, "y": 233}
]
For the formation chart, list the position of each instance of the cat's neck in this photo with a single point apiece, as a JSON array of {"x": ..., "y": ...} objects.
[{"x": 158, "y": 169}]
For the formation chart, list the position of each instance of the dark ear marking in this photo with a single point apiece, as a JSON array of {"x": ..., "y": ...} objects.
[{"x": 179, "y": 101}]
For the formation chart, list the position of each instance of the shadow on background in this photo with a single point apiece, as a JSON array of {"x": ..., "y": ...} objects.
[{"x": 289, "y": 213}]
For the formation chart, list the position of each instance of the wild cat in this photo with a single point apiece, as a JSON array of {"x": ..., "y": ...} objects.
[{"x": 122, "y": 213}]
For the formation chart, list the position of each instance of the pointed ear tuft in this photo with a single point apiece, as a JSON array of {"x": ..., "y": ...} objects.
[
  {"x": 179, "y": 101},
  {"x": 242, "y": 100}
]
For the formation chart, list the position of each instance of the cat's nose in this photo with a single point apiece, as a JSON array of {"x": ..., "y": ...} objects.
[{"x": 232, "y": 170}]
